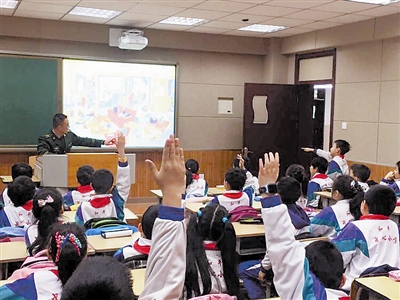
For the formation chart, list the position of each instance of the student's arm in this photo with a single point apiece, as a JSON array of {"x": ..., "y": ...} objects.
[
  {"x": 215, "y": 200},
  {"x": 20, "y": 289},
  {"x": 4, "y": 222},
  {"x": 206, "y": 189},
  {"x": 333, "y": 170},
  {"x": 43, "y": 147},
  {"x": 79, "y": 216},
  {"x": 324, "y": 223},
  {"x": 324, "y": 154},
  {"x": 312, "y": 199},
  {"x": 249, "y": 191},
  {"x": 68, "y": 200},
  {"x": 165, "y": 271},
  {"x": 83, "y": 141}
]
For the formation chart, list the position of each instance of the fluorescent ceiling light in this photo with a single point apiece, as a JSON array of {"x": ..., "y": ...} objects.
[
  {"x": 94, "y": 12},
  {"x": 377, "y": 2},
  {"x": 182, "y": 21},
  {"x": 8, "y": 3},
  {"x": 323, "y": 86},
  {"x": 262, "y": 28}
]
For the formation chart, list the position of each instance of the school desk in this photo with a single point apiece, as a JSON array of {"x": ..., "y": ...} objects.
[
  {"x": 69, "y": 216},
  {"x": 102, "y": 245},
  {"x": 395, "y": 216},
  {"x": 11, "y": 252},
  {"x": 214, "y": 191},
  {"x": 138, "y": 276},
  {"x": 158, "y": 193},
  {"x": 380, "y": 287},
  {"x": 326, "y": 198},
  {"x": 8, "y": 179},
  {"x": 195, "y": 206}
]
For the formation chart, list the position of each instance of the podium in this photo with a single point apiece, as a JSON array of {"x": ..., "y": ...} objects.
[{"x": 59, "y": 170}]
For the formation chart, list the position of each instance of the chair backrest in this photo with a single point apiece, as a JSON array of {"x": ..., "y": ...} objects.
[{"x": 136, "y": 262}]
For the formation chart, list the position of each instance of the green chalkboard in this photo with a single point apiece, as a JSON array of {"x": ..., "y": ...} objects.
[{"x": 28, "y": 98}]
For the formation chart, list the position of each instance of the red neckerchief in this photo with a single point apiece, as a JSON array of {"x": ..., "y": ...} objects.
[
  {"x": 195, "y": 176},
  {"x": 83, "y": 189},
  {"x": 210, "y": 246},
  {"x": 374, "y": 217},
  {"x": 141, "y": 249},
  {"x": 341, "y": 156},
  {"x": 100, "y": 202},
  {"x": 235, "y": 195},
  {"x": 28, "y": 205},
  {"x": 320, "y": 176}
]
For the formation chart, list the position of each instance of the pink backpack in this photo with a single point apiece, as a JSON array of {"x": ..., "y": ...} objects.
[
  {"x": 243, "y": 211},
  {"x": 215, "y": 297}
]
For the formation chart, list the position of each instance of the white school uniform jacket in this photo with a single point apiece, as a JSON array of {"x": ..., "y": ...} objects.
[
  {"x": 21, "y": 216},
  {"x": 4, "y": 199},
  {"x": 82, "y": 194},
  {"x": 331, "y": 220},
  {"x": 198, "y": 188},
  {"x": 139, "y": 247},
  {"x": 232, "y": 199},
  {"x": 393, "y": 184},
  {"x": 337, "y": 165},
  {"x": 369, "y": 242},
  {"x": 318, "y": 183},
  {"x": 41, "y": 285},
  {"x": 107, "y": 205},
  {"x": 293, "y": 278}
]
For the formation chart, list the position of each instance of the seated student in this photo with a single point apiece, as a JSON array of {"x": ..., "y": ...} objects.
[
  {"x": 337, "y": 163},
  {"x": 314, "y": 272},
  {"x": 319, "y": 180},
  {"x": 67, "y": 246},
  {"x": 195, "y": 186},
  {"x": 47, "y": 209},
  {"x": 392, "y": 179},
  {"x": 84, "y": 191},
  {"x": 373, "y": 240},
  {"x": 361, "y": 173},
  {"x": 255, "y": 272},
  {"x": 21, "y": 192},
  {"x": 331, "y": 220},
  {"x": 142, "y": 245},
  {"x": 234, "y": 181},
  {"x": 100, "y": 278},
  {"x": 18, "y": 169},
  {"x": 244, "y": 164},
  {"x": 211, "y": 266},
  {"x": 299, "y": 173},
  {"x": 108, "y": 201}
]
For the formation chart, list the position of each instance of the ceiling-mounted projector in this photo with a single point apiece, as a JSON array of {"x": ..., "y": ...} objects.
[{"x": 132, "y": 40}]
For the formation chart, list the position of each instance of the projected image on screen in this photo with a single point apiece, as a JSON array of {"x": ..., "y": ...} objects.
[{"x": 104, "y": 98}]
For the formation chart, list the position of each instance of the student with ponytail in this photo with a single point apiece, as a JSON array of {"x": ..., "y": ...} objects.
[
  {"x": 47, "y": 208},
  {"x": 195, "y": 186},
  {"x": 211, "y": 265},
  {"x": 67, "y": 246},
  {"x": 330, "y": 221}
]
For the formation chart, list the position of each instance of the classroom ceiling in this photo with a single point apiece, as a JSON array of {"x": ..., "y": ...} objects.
[{"x": 224, "y": 16}]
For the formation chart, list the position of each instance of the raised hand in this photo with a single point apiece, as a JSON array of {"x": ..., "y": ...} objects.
[
  {"x": 269, "y": 169},
  {"x": 306, "y": 149}
]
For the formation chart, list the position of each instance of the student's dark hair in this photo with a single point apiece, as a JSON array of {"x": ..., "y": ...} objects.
[
  {"x": 326, "y": 263},
  {"x": 350, "y": 189},
  {"x": 371, "y": 182},
  {"x": 320, "y": 163},
  {"x": 236, "y": 178},
  {"x": 65, "y": 253},
  {"x": 247, "y": 163},
  {"x": 58, "y": 119},
  {"x": 100, "y": 278},
  {"x": 46, "y": 209},
  {"x": 212, "y": 224},
  {"x": 84, "y": 174},
  {"x": 102, "y": 181},
  {"x": 21, "y": 169},
  {"x": 289, "y": 190},
  {"x": 299, "y": 173},
  {"x": 398, "y": 165},
  {"x": 148, "y": 219},
  {"x": 192, "y": 167},
  {"x": 381, "y": 200},
  {"x": 343, "y": 145},
  {"x": 362, "y": 172},
  {"x": 21, "y": 190}
]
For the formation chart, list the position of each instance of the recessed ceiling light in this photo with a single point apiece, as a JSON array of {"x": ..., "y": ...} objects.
[
  {"x": 262, "y": 28},
  {"x": 94, "y": 12},
  {"x": 8, "y": 3},
  {"x": 377, "y": 2},
  {"x": 182, "y": 21}
]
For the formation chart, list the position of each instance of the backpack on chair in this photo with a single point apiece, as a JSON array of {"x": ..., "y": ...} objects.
[{"x": 243, "y": 211}]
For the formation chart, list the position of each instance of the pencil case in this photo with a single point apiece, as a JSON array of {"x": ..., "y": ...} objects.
[
  {"x": 394, "y": 275},
  {"x": 113, "y": 233}
]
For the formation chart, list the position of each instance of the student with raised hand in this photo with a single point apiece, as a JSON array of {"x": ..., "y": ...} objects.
[
  {"x": 392, "y": 179},
  {"x": 373, "y": 240},
  {"x": 47, "y": 209},
  {"x": 195, "y": 186},
  {"x": 84, "y": 191},
  {"x": 108, "y": 201},
  {"x": 331, "y": 220},
  {"x": 335, "y": 156},
  {"x": 361, "y": 173},
  {"x": 67, "y": 247},
  {"x": 244, "y": 164},
  {"x": 314, "y": 272},
  {"x": 211, "y": 264},
  {"x": 299, "y": 173},
  {"x": 18, "y": 169},
  {"x": 21, "y": 192},
  {"x": 319, "y": 180}
]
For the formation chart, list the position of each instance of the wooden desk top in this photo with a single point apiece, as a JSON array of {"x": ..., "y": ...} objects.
[
  {"x": 324, "y": 194},
  {"x": 12, "y": 251},
  {"x": 69, "y": 216},
  {"x": 158, "y": 193},
  {"x": 101, "y": 245},
  {"x": 383, "y": 286},
  {"x": 248, "y": 230},
  {"x": 138, "y": 276},
  {"x": 214, "y": 191},
  {"x": 3, "y": 282},
  {"x": 396, "y": 211},
  {"x": 8, "y": 179}
]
